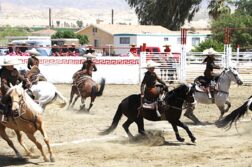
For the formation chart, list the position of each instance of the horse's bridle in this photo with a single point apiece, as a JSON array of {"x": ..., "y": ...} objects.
[
  {"x": 21, "y": 104},
  {"x": 181, "y": 99}
]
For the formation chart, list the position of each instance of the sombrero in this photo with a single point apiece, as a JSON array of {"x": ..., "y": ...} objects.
[
  {"x": 33, "y": 51},
  {"x": 209, "y": 51},
  {"x": 10, "y": 62},
  {"x": 89, "y": 55},
  {"x": 151, "y": 64}
]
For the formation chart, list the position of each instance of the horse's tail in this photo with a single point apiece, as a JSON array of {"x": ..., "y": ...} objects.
[
  {"x": 102, "y": 86},
  {"x": 234, "y": 116},
  {"x": 115, "y": 121},
  {"x": 64, "y": 103}
]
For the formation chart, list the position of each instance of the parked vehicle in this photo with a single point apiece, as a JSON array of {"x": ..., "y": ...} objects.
[{"x": 3, "y": 51}]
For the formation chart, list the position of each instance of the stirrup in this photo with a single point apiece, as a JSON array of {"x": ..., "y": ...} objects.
[
  {"x": 158, "y": 113},
  {"x": 209, "y": 95},
  {"x": 3, "y": 120}
]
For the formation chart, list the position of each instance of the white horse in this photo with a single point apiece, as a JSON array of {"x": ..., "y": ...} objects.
[
  {"x": 220, "y": 96},
  {"x": 45, "y": 93}
]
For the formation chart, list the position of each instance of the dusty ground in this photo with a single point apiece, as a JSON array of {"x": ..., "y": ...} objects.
[{"x": 76, "y": 142}]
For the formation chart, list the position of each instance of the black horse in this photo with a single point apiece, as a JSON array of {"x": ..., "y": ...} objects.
[
  {"x": 171, "y": 108},
  {"x": 235, "y": 115}
]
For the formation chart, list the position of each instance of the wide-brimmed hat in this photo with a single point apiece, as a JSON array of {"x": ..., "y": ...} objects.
[
  {"x": 33, "y": 51},
  {"x": 150, "y": 64},
  {"x": 9, "y": 62},
  {"x": 89, "y": 55},
  {"x": 210, "y": 52}
]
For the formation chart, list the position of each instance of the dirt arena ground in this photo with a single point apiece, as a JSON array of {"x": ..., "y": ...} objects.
[{"x": 76, "y": 142}]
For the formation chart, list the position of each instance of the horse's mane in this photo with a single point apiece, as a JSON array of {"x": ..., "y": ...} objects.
[
  {"x": 173, "y": 93},
  {"x": 29, "y": 102}
]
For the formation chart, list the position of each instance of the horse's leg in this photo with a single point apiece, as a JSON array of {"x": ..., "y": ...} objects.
[
  {"x": 71, "y": 98},
  {"x": 184, "y": 126},
  {"x": 20, "y": 140},
  {"x": 91, "y": 102},
  {"x": 46, "y": 139},
  {"x": 222, "y": 111},
  {"x": 175, "y": 129},
  {"x": 140, "y": 125},
  {"x": 228, "y": 105},
  {"x": 10, "y": 143},
  {"x": 126, "y": 128},
  {"x": 82, "y": 106},
  {"x": 76, "y": 98},
  {"x": 189, "y": 114},
  {"x": 39, "y": 146}
]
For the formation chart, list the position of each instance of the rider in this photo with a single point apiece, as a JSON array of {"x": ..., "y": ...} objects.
[
  {"x": 208, "y": 73},
  {"x": 34, "y": 74},
  {"x": 149, "y": 91},
  {"x": 88, "y": 67},
  {"x": 9, "y": 76}
]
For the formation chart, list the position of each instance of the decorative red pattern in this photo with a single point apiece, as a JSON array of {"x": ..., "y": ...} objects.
[{"x": 80, "y": 61}]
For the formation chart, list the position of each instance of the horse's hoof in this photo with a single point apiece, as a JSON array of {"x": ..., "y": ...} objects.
[
  {"x": 46, "y": 159},
  {"x": 180, "y": 139},
  {"x": 52, "y": 159},
  {"x": 193, "y": 139}
]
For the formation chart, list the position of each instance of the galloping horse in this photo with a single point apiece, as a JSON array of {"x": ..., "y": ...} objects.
[
  {"x": 235, "y": 115},
  {"x": 45, "y": 92},
  {"x": 86, "y": 88},
  {"x": 172, "y": 109},
  {"x": 220, "y": 96},
  {"x": 26, "y": 117}
]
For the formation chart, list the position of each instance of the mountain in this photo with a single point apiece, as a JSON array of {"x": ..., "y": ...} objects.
[
  {"x": 35, "y": 13},
  {"x": 78, "y": 4}
]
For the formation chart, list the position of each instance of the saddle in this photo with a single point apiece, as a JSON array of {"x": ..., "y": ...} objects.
[{"x": 202, "y": 84}]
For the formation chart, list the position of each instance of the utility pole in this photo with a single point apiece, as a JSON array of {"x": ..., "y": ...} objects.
[
  {"x": 112, "y": 16},
  {"x": 50, "y": 18}
]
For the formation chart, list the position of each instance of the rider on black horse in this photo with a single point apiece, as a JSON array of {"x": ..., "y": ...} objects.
[
  {"x": 210, "y": 76},
  {"x": 149, "y": 90}
]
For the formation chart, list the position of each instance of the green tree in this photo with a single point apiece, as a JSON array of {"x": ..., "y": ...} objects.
[
  {"x": 244, "y": 7},
  {"x": 167, "y": 13},
  {"x": 218, "y": 7},
  {"x": 241, "y": 32},
  {"x": 12, "y": 31},
  {"x": 79, "y": 23},
  {"x": 64, "y": 34},
  {"x": 209, "y": 43},
  {"x": 83, "y": 39}
]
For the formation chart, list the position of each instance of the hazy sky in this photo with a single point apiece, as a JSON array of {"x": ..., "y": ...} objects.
[{"x": 80, "y": 4}]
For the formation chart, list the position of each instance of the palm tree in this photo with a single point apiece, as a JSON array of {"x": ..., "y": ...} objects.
[{"x": 218, "y": 7}]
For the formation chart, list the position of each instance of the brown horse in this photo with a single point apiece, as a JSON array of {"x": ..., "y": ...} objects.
[
  {"x": 26, "y": 117},
  {"x": 86, "y": 87}
]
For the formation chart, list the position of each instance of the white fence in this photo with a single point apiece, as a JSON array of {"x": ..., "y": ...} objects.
[
  {"x": 187, "y": 68},
  {"x": 126, "y": 70}
]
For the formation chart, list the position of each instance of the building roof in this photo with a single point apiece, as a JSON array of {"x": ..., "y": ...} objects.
[
  {"x": 130, "y": 29},
  {"x": 44, "y": 32}
]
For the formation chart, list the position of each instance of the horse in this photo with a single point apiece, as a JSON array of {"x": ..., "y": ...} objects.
[
  {"x": 171, "y": 111},
  {"x": 45, "y": 93},
  {"x": 26, "y": 117},
  {"x": 221, "y": 94},
  {"x": 86, "y": 88},
  {"x": 42, "y": 91},
  {"x": 235, "y": 115}
]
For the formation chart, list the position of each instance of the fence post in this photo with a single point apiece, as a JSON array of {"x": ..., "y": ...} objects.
[{"x": 142, "y": 61}]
